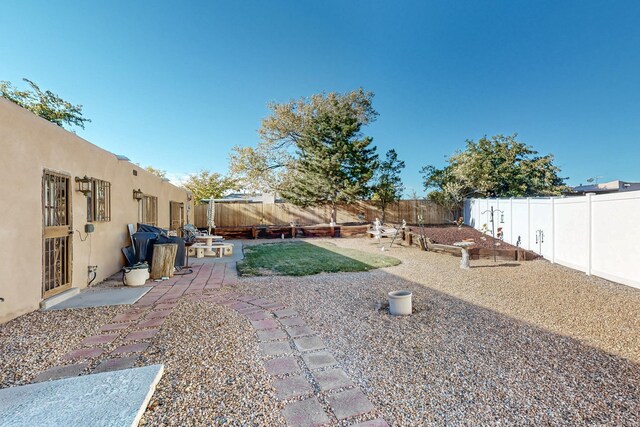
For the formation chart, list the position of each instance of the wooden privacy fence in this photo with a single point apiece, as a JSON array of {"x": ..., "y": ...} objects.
[{"x": 239, "y": 214}]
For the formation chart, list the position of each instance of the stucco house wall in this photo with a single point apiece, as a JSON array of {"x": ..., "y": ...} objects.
[{"x": 29, "y": 145}]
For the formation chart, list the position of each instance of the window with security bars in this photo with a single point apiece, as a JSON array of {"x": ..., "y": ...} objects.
[
  {"x": 99, "y": 201},
  {"x": 149, "y": 210}
]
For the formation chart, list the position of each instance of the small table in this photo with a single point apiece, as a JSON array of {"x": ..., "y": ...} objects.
[
  {"x": 209, "y": 242},
  {"x": 464, "y": 262}
]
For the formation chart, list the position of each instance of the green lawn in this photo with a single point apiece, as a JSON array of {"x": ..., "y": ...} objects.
[{"x": 303, "y": 259}]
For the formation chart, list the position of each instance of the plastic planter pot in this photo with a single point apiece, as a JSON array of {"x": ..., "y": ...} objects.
[
  {"x": 400, "y": 303},
  {"x": 136, "y": 276}
]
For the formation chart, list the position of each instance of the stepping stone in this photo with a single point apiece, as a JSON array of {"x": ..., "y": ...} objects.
[
  {"x": 287, "y": 312},
  {"x": 379, "y": 422},
  {"x": 141, "y": 335},
  {"x": 117, "y": 398},
  {"x": 332, "y": 378},
  {"x": 115, "y": 326},
  {"x": 127, "y": 317},
  {"x": 116, "y": 364},
  {"x": 282, "y": 366},
  {"x": 99, "y": 339},
  {"x": 305, "y": 413},
  {"x": 59, "y": 372},
  {"x": 151, "y": 323},
  {"x": 158, "y": 314},
  {"x": 274, "y": 306},
  {"x": 264, "y": 324},
  {"x": 131, "y": 348},
  {"x": 259, "y": 315},
  {"x": 292, "y": 321},
  {"x": 349, "y": 403},
  {"x": 271, "y": 335},
  {"x": 293, "y": 386},
  {"x": 252, "y": 309},
  {"x": 85, "y": 353},
  {"x": 309, "y": 343},
  {"x": 275, "y": 348},
  {"x": 299, "y": 331},
  {"x": 320, "y": 359},
  {"x": 165, "y": 306}
]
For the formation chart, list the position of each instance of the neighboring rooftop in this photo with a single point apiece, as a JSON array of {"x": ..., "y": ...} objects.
[{"x": 606, "y": 187}]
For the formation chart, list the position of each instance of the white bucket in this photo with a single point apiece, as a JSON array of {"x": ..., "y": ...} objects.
[
  {"x": 136, "y": 276},
  {"x": 400, "y": 303}
]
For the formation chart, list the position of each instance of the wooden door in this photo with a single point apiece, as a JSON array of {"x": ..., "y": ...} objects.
[
  {"x": 57, "y": 235},
  {"x": 176, "y": 216}
]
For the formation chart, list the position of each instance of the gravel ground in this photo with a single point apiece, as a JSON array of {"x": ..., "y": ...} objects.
[
  {"x": 507, "y": 344},
  {"x": 37, "y": 341},
  {"x": 213, "y": 371}
]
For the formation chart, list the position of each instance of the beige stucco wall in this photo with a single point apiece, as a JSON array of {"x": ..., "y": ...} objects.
[{"x": 29, "y": 145}]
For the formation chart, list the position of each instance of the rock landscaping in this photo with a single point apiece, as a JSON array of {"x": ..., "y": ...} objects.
[{"x": 512, "y": 344}]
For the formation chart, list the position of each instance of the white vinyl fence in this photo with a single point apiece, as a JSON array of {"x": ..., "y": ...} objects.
[{"x": 596, "y": 234}]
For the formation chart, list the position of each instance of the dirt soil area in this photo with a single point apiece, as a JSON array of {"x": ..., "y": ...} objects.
[{"x": 449, "y": 234}]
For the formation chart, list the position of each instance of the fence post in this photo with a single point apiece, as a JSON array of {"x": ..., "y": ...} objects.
[
  {"x": 529, "y": 223},
  {"x": 589, "y": 234},
  {"x": 511, "y": 220},
  {"x": 553, "y": 230}
]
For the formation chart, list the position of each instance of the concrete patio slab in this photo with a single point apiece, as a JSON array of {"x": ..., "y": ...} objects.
[
  {"x": 102, "y": 298},
  {"x": 116, "y": 398}
]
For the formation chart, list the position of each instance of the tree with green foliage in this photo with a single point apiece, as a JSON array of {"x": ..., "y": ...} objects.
[
  {"x": 160, "y": 173},
  {"x": 334, "y": 162},
  {"x": 206, "y": 184},
  {"x": 499, "y": 166},
  {"x": 388, "y": 187},
  {"x": 271, "y": 164},
  {"x": 45, "y": 104}
]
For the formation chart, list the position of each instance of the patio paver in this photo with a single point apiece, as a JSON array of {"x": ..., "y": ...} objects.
[
  {"x": 141, "y": 335},
  {"x": 292, "y": 321},
  {"x": 83, "y": 353},
  {"x": 378, "y": 422},
  {"x": 309, "y": 343},
  {"x": 349, "y": 403},
  {"x": 275, "y": 348},
  {"x": 282, "y": 366},
  {"x": 131, "y": 348},
  {"x": 116, "y": 364},
  {"x": 292, "y": 386},
  {"x": 332, "y": 379},
  {"x": 264, "y": 324},
  {"x": 299, "y": 331},
  {"x": 320, "y": 359},
  {"x": 100, "y": 339},
  {"x": 271, "y": 335},
  {"x": 305, "y": 413},
  {"x": 59, "y": 372}
]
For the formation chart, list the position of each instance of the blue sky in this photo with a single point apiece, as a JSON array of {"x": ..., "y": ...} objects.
[{"x": 176, "y": 84}]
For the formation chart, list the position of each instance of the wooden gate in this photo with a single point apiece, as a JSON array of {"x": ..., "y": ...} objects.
[
  {"x": 176, "y": 216},
  {"x": 57, "y": 234}
]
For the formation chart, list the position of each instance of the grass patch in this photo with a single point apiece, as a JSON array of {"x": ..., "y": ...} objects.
[{"x": 303, "y": 259}]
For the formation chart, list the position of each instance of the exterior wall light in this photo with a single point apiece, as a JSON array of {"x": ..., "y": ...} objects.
[
  {"x": 83, "y": 185},
  {"x": 137, "y": 194}
]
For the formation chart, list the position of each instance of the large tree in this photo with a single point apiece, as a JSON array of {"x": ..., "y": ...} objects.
[
  {"x": 271, "y": 164},
  {"x": 206, "y": 184},
  {"x": 45, "y": 104},
  {"x": 499, "y": 166},
  {"x": 388, "y": 187}
]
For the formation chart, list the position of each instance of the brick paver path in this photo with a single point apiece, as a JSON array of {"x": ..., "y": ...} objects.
[{"x": 308, "y": 379}]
